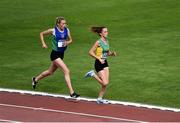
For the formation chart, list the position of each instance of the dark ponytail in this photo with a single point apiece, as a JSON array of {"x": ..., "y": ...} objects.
[{"x": 98, "y": 29}]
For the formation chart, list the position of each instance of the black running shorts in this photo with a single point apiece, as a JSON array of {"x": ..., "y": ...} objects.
[
  {"x": 98, "y": 66},
  {"x": 54, "y": 55}
]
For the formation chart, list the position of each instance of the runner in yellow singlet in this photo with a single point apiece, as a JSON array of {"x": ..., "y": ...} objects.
[{"x": 100, "y": 51}]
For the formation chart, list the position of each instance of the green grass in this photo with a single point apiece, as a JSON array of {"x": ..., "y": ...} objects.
[{"x": 144, "y": 33}]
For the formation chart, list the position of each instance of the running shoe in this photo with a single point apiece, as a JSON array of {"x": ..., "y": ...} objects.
[
  {"x": 34, "y": 83},
  {"x": 89, "y": 74},
  {"x": 74, "y": 95},
  {"x": 102, "y": 101}
]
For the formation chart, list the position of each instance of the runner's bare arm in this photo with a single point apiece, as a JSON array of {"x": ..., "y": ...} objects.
[
  {"x": 69, "y": 38},
  {"x": 111, "y": 53},
  {"x": 92, "y": 52},
  {"x": 42, "y": 34}
]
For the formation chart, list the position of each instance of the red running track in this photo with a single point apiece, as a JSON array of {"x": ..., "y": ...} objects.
[{"x": 33, "y": 108}]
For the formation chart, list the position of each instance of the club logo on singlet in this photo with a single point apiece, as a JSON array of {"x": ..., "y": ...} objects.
[{"x": 62, "y": 35}]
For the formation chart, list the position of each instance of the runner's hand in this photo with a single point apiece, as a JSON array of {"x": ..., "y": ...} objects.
[
  {"x": 65, "y": 44},
  {"x": 102, "y": 61},
  {"x": 44, "y": 46},
  {"x": 113, "y": 53}
]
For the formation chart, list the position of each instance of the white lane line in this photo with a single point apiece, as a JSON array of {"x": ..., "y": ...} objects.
[
  {"x": 9, "y": 121},
  {"x": 69, "y": 112},
  {"x": 91, "y": 99}
]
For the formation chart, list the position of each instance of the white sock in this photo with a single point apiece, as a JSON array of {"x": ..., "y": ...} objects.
[{"x": 99, "y": 98}]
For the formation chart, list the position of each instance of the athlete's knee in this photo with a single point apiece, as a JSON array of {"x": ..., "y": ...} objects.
[
  {"x": 105, "y": 83},
  {"x": 66, "y": 71}
]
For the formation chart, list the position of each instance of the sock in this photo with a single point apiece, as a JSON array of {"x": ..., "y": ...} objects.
[{"x": 99, "y": 98}]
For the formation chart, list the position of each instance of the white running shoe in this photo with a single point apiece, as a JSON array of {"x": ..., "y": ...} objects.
[
  {"x": 89, "y": 74},
  {"x": 102, "y": 101},
  {"x": 34, "y": 83}
]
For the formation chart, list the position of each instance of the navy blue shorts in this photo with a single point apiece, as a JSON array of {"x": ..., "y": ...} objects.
[{"x": 54, "y": 55}]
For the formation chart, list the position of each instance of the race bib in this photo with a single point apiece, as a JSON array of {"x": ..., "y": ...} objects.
[
  {"x": 104, "y": 55},
  {"x": 60, "y": 43}
]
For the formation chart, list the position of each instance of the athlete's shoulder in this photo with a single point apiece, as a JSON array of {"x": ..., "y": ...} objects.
[
  {"x": 52, "y": 30},
  {"x": 97, "y": 42},
  {"x": 67, "y": 29}
]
